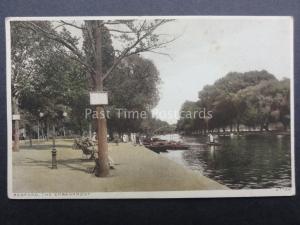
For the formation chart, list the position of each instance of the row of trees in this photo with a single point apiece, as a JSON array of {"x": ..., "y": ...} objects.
[
  {"x": 53, "y": 72},
  {"x": 57, "y": 84},
  {"x": 253, "y": 99}
]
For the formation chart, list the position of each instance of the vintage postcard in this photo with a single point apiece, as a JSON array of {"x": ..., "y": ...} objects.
[{"x": 150, "y": 107}]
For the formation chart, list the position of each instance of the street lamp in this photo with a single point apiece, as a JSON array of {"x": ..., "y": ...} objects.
[
  {"x": 53, "y": 152},
  {"x": 40, "y": 115},
  {"x": 65, "y": 114}
]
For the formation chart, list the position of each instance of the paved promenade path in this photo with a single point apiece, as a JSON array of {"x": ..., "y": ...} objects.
[{"x": 136, "y": 169}]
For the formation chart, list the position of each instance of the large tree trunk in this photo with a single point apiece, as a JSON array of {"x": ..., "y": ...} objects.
[
  {"x": 267, "y": 126},
  {"x": 16, "y": 144},
  {"x": 102, "y": 168},
  {"x": 42, "y": 128},
  {"x": 30, "y": 139},
  {"x": 48, "y": 131},
  {"x": 284, "y": 126}
]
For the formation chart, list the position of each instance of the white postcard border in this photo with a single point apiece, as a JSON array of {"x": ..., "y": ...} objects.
[{"x": 152, "y": 194}]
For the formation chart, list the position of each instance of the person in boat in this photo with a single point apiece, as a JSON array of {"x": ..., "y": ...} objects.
[{"x": 211, "y": 138}]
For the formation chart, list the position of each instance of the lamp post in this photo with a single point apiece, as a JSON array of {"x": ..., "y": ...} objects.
[
  {"x": 53, "y": 152},
  {"x": 38, "y": 130},
  {"x": 40, "y": 115},
  {"x": 65, "y": 114}
]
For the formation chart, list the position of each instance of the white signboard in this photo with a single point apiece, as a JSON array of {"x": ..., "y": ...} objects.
[
  {"x": 16, "y": 117},
  {"x": 98, "y": 98}
]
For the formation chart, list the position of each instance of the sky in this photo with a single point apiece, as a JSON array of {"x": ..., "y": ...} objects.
[{"x": 207, "y": 48}]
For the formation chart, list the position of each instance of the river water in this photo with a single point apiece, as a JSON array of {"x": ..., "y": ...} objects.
[{"x": 240, "y": 162}]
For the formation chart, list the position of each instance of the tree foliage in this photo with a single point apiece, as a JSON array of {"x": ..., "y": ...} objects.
[
  {"x": 133, "y": 87},
  {"x": 61, "y": 80},
  {"x": 254, "y": 99}
]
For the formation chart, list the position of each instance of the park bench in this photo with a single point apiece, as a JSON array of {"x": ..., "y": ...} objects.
[{"x": 87, "y": 146}]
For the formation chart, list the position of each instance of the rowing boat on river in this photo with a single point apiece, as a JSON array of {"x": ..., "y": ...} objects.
[
  {"x": 213, "y": 143},
  {"x": 159, "y": 145}
]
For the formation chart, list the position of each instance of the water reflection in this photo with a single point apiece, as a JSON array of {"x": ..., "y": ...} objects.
[{"x": 253, "y": 161}]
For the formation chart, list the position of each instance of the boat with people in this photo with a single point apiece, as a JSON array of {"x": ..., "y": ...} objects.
[
  {"x": 160, "y": 145},
  {"x": 213, "y": 143}
]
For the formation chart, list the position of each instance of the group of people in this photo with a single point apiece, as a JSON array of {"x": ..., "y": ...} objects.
[
  {"x": 94, "y": 137},
  {"x": 212, "y": 138},
  {"x": 134, "y": 138}
]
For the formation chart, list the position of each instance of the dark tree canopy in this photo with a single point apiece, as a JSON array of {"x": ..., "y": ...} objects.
[
  {"x": 254, "y": 98},
  {"x": 54, "y": 80}
]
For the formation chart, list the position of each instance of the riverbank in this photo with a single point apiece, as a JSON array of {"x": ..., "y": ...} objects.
[
  {"x": 136, "y": 169},
  {"x": 240, "y": 133}
]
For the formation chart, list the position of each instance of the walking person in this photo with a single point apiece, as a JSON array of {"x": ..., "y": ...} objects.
[
  {"x": 133, "y": 139},
  {"x": 116, "y": 138}
]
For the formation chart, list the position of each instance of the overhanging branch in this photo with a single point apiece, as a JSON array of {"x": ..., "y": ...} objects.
[{"x": 61, "y": 40}]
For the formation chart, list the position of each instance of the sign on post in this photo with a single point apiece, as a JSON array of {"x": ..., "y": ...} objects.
[
  {"x": 98, "y": 98},
  {"x": 16, "y": 117}
]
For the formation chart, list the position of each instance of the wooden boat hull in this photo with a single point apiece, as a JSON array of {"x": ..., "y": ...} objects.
[
  {"x": 159, "y": 145},
  {"x": 213, "y": 144},
  {"x": 157, "y": 149},
  {"x": 178, "y": 147},
  {"x": 164, "y": 148}
]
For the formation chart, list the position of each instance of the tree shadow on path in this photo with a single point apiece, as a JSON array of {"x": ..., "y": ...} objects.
[{"x": 82, "y": 165}]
